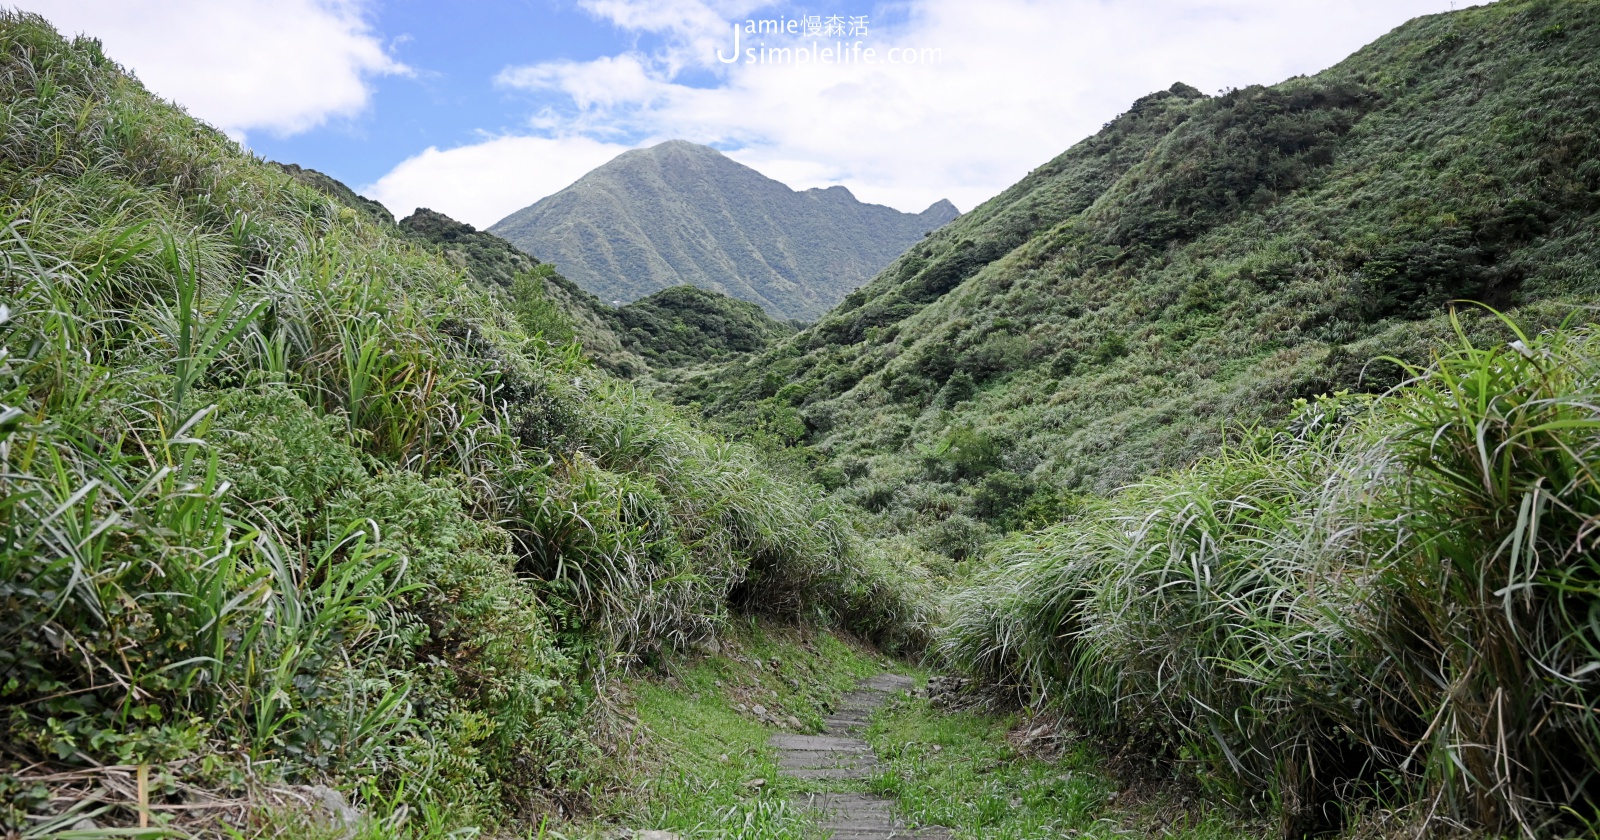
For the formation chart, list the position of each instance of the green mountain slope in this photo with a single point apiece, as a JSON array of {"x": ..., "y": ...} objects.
[
  {"x": 544, "y": 301},
  {"x": 683, "y": 214},
  {"x": 683, "y": 326},
  {"x": 1197, "y": 265},
  {"x": 676, "y": 327},
  {"x": 288, "y": 496}
]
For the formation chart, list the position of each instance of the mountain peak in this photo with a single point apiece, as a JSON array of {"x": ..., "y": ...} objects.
[
  {"x": 940, "y": 212},
  {"x": 683, "y": 213},
  {"x": 668, "y": 153},
  {"x": 681, "y": 145},
  {"x": 835, "y": 193}
]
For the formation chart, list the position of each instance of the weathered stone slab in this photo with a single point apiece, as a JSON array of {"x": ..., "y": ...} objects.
[
  {"x": 842, "y": 754},
  {"x": 819, "y": 743}
]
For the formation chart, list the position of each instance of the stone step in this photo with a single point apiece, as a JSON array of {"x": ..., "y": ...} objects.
[
  {"x": 843, "y": 754},
  {"x": 846, "y": 773},
  {"x": 857, "y": 816},
  {"x": 819, "y": 743},
  {"x": 824, "y": 759},
  {"x": 789, "y": 760}
]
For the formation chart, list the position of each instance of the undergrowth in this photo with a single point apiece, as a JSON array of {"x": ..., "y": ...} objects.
[
  {"x": 961, "y": 769},
  {"x": 1391, "y": 600},
  {"x": 286, "y": 498}
]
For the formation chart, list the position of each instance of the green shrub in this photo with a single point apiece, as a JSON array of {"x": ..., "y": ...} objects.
[
  {"x": 538, "y": 315},
  {"x": 285, "y": 497},
  {"x": 1391, "y": 594}
]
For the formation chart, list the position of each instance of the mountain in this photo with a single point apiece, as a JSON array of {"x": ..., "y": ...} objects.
[
  {"x": 553, "y": 305},
  {"x": 681, "y": 326},
  {"x": 1197, "y": 266},
  {"x": 684, "y": 214},
  {"x": 286, "y": 485}
]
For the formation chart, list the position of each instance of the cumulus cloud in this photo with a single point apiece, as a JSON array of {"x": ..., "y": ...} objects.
[
  {"x": 999, "y": 87},
  {"x": 282, "y": 66},
  {"x": 484, "y": 182}
]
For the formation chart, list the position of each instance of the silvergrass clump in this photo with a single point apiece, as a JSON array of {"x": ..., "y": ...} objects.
[
  {"x": 1488, "y": 583},
  {"x": 1391, "y": 598},
  {"x": 284, "y": 497}
]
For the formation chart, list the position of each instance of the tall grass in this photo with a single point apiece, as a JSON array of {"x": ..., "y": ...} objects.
[
  {"x": 285, "y": 493},
  {"x": 1390, "y": 598}
]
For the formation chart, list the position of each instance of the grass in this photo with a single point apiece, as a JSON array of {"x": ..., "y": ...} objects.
[
  {"x": 961, "y": 769},
  {"x": 1389, "y": 600},
  {"x": 288, "y": 498},
  {"x": 702, "y": 757}
]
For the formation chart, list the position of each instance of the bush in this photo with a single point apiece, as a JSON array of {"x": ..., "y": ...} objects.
[
  {"x": 1389, "y": 593},
  {"x": 285, "y": 497},
  {"x": 998, "y": 494}
]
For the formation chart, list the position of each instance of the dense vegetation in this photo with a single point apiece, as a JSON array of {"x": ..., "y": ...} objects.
[
  {"x": 685, "y": 325},
  {"x": 1391, "y": 600},
  {"x": 1167, "y": 347},
  {"x": 1201, "y": 262},
  {"x": 286, "y": 495},
  {"x": 678, "y": 327},
  {"x": 1190, "y": 421},
  {"x": 678, "y": 213}
]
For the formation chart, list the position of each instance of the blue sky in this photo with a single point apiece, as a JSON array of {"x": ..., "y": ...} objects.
[
  {"x": 454, "y": 50},
  {"x": 480, "y": 108}
]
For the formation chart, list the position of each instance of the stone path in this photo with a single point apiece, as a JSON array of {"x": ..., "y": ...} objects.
[{"x": 843, "y": 753}]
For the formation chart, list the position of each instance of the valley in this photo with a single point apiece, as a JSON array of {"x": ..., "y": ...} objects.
[{"x": 1234, "y": 473}]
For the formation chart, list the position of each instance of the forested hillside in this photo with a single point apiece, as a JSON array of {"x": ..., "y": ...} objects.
[
  {"x": 288, "y": 496},
  {"x": 685, "y": 326},
  {"x": 1198, "y": 265}
]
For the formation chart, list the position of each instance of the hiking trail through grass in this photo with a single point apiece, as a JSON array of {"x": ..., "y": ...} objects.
[{"x": 843, "y": 753}]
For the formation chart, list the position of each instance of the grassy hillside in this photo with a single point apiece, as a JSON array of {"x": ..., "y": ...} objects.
[
  {"x": 1199, "y": 264},
  {"x": 1382, "y": 614},
  {"x": 544, "y": 302},
  {"x": 677, "y": 327},
  {"x": 682, "y": 214},
  {"x": 338, "y": 191},
  {"x": 674, "y": 328},
  {"x": 286, "y": 496}
]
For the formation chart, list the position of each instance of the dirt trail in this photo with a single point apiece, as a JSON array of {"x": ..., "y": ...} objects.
[{"x": 843, "y": 753}]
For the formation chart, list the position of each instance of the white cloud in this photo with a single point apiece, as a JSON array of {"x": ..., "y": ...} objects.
[
  {"x": 604, "y": 82},
  {"x": 282, "y": 66},
  {"x": 1016, "y": 83},
  {"x": 484, "y": 182}
]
